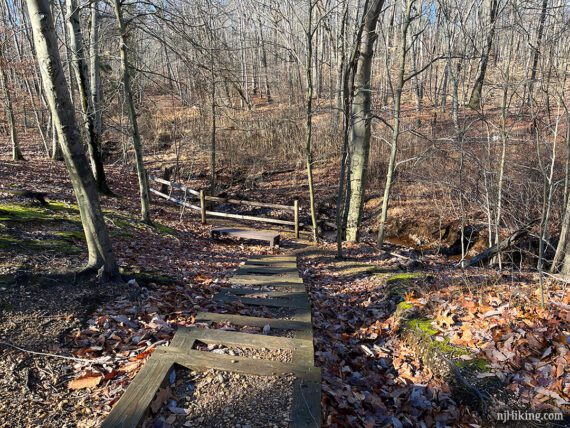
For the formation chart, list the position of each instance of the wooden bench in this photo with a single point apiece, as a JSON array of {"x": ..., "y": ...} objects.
[{"x": 272, "y": 238}]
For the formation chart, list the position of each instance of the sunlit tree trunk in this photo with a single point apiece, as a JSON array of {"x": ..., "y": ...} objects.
[
  {"x": 16, "y": 152},
  {"x": 82, "y": 77},
  {"x": 398, "y": 88},
  {"x": 361, "y": 119},
  {"x": 136, "y": 138},
  {"x": 63, "y": 114},
  {"x": 309, "y": 121}
]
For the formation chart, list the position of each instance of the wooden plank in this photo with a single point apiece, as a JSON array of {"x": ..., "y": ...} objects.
[
  {"x": 263, "y": 263},
  {"x": 262, "y": 235},
  {"x": 303, "y": 315},
  {"x": 201, "y": 360},
  {"x": 239, "y": 339},
  {"x": 271, "y": 259},
  {"x": 253, "y": 321},
  {"x": 285, "y": 287},
  {"x": 249, "y": 203},
  {"x": 272, "y": 294},
  {"x": 272, "y": 303},
  {"x": 176, "y": 201},
  {"x": 267, "y": 270},
  {"x": 271, "y": 237},
  {"x": 249, "y": 217},
  {"x": 131, "y": 408},
  {"x": 174, "y": 185},
  {"x": 265, "y": 280},
  {"x": 306, "y": 407}
]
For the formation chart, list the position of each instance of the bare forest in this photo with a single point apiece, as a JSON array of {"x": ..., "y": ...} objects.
[{"x": 294, "y": 213}]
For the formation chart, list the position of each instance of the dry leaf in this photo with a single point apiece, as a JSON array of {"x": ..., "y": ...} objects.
[{"x": 88, "y": 380}]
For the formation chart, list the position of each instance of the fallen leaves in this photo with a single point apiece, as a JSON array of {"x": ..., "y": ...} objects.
[
  {"x": 86, "y": 380},
  {"x": 506, "y": 334}
]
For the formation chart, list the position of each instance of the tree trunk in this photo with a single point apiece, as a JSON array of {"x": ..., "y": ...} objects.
[
  {"x": 56, "y": 153},
  {"x": 95, "y": 74},
  {"x": 475, "y": 99},
  {"x": 309, "y": 122},
  {"x": 537, "y": 50},
  {"x": 63, "y": 114},
  {"x": 264, "y": 62},
  {"x": 396, "y": 124},
  {"x": 561, "y": 248},
  {"x": 82, "y": 78},
  {"x": 361, "y": 119},
  {"x": 136, "y": 138},
  {"x": 16, "y": 152}
]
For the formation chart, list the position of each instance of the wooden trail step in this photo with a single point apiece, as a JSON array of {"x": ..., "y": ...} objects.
[
  {"x": 271, "y": 259},
  {"x": 284, "y": 286},
  {"x": 265, "y": 263},
  {"x": 296, "y": 303},
  {"x": 132, "y": 407},
  {"x": 272, "y": 294},
  {"x": 264, "y": 279},
  {"x": 236, "y": 338},
  {"x": 243, "y": 320},
  {"x": 272, "y": 238},
  {"x": 267, "y": 270},
  {"x": 288, "y": 291},
  {"x": 269, "y": 288}
]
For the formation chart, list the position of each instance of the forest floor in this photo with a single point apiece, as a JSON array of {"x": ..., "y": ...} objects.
[{"x": 93, "y": 338}]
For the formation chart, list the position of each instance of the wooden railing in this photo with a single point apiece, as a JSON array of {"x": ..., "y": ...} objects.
[{"x": 204, "y": 212}]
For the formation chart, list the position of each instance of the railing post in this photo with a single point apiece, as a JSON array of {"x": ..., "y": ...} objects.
[
  {"x": 296, "y": 214},
  {"x": 203, "y": 206}
]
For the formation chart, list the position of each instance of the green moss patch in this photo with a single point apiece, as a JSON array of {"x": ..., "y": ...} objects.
[
  {"x": 405, "y": 306},
  {"x": 54, "y": 211},
  {"x": 165, "y": 230},
  {"x": 18, "y": 212},
  {"x": 424, "y": 330},
  {"x": 404, "y": 276},
  {"x": 477, "y": 365},
  {"x": 71, "y": 235},
  {"x": 59, "y": 245}
]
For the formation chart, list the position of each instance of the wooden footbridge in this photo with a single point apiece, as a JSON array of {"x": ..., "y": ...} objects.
[{"x": 279, "y": 275}]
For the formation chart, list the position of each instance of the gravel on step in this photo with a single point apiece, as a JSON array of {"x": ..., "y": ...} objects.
[
  {"x": 282, "y": 355},
  {"x": 215, "y": 399}
]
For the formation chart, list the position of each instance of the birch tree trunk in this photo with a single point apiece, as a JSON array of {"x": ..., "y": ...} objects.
[
  {"x": 59, "y": 101},
  {"x": 136, "y": 138},
  {"x": 361, "y": 119},
  {"x": 82, "y": 78}
]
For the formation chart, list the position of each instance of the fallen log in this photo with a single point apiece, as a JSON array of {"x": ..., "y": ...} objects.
[
  {"x": 503, "y": 245},
  {"x": 471, "y": 379},
  {"x": 265, "y": 174},
  {"x": 31, "y": 194}
]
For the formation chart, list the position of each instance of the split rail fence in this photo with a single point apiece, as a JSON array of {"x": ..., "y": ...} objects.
[{"x": 205, "y": 212}]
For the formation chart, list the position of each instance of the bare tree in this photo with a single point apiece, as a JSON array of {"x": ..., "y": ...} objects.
[
  {"x": 135, "y": 135},
  {"x": 57, "y": 94},
  {"x": 361, "y": 119},
  {"x": 16, "y": 152},
  {"x": 82, "y": 78},
  {"x": 475, "y": 99}
]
